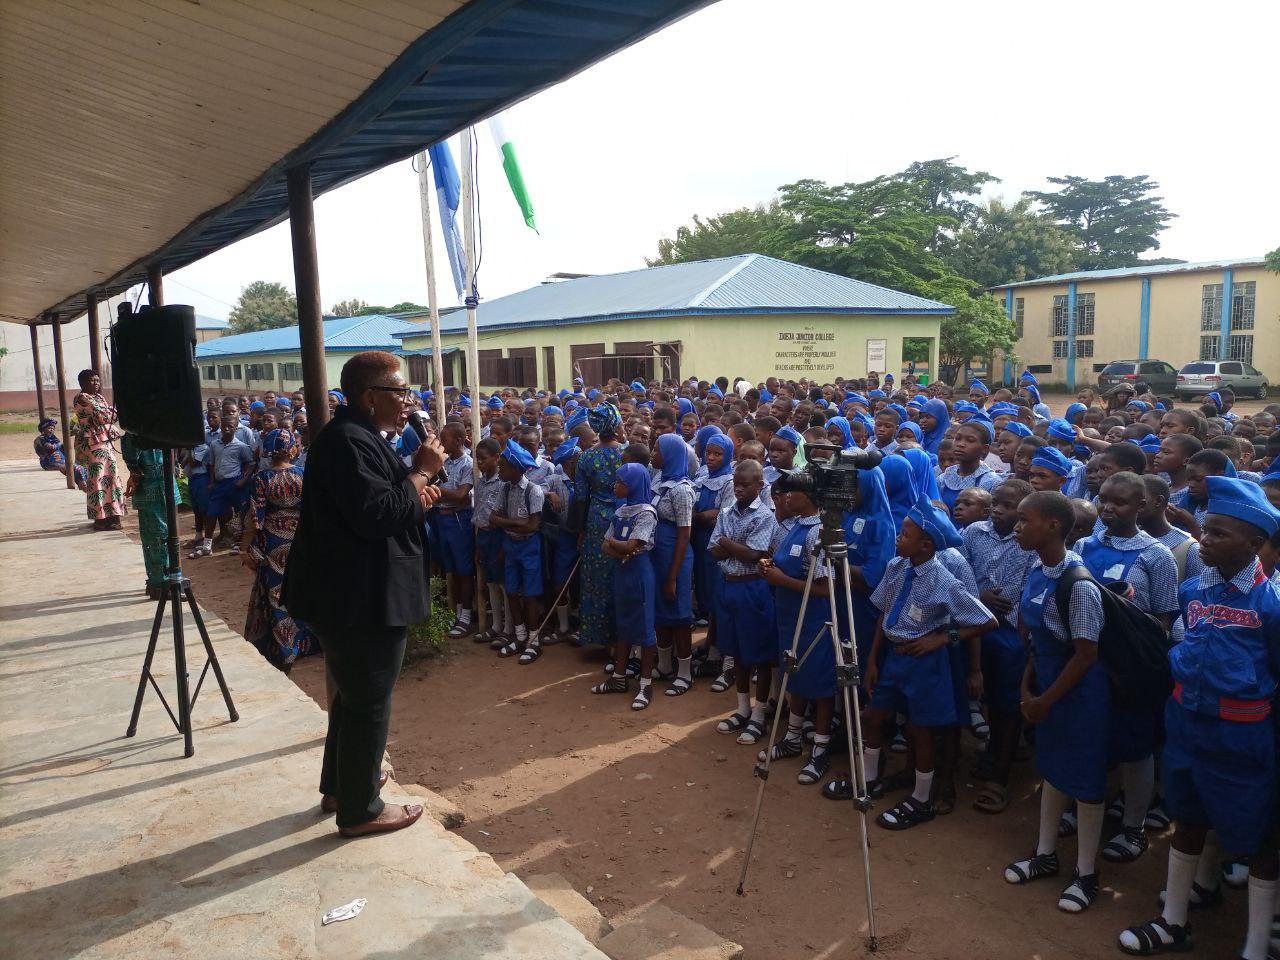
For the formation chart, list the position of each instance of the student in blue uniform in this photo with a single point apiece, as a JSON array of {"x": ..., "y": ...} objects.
[
  {"x": 518, "y": 515},
  {"x": 745, "y": 628},
  {"x": 457, "y": 538},
  {"x": 922, "y": 467},
  {"x": 1123, "y": 553},
  {"x": 715, "y": 450},
  {"x": 565, "y": 548},
  {"x": 934, "y": 421},
  {"x": 870, "y": 534},
  {"x": 1001, "y": 565},
  {"x": 927, "y": 611},
  {"x": 1065, "y": 695},
  {"x": 630, "y": 536},
  {"x": 1220, "y": 753},
  {"x": 672, "y": 558},
  {"x": 970, "y": 446},
  {"x": 1049, "y": 470},
  {"x": 794, "y": 543},
  {"x": 488, "y": 485},
  {"x": 900, "y": 485}
]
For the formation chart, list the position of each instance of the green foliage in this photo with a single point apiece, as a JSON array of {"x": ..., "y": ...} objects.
[
  {"x": 358, "y": 308},
  {"x": 945, "y": 188},
  {"x": 1114, "y": 219},
  {"x": 746, "y": 230},
  {"x": 1004, "y": 244},
  {"x": 979, "y": 326},
  {"x": 348, "y": 308},
  {"x": 263, "y": 306},
  {"x": 1273, "y": 260},
  {"x": 915, "y": 348},
  {"x": 430, "y": 639},
  {"x": 18, "y": 426}
]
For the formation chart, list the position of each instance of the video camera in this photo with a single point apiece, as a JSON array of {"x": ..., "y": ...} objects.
[{"x": 829, "y": 482}]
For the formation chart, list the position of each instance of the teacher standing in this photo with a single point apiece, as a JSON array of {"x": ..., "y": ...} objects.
[{"x": 356, "y": 576}]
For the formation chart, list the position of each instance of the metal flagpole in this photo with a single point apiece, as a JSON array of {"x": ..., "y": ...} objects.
[
  {"x": 472, "y": 297},
  {"x": 433, "y": 305}
]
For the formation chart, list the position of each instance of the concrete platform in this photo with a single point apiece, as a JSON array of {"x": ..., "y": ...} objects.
[{"x": 120, "y": 847}]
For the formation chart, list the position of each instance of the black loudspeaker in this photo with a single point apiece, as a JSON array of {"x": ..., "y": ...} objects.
[{"x": 154, "y": 376}]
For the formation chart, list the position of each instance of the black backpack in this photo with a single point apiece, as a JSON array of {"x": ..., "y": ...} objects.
[{"x": 1133, "y": 646}]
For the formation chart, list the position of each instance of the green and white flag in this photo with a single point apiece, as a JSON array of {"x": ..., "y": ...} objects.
[{"x": 512, "y": 167}]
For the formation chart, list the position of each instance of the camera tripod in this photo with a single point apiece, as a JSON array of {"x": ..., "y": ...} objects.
[
  {"x": 176, "y": 589},
  {"x": 831, "y": 554}
]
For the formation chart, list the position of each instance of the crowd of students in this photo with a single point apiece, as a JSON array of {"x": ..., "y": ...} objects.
[{"x": 648, "y": 508}]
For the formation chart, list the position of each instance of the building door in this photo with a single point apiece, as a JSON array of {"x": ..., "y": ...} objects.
[
  {"x": 549, "y": 364},
  {"x": 632, "y": 361},
  {"x": 522, "y": 367},
  {"x": 587, "y": 359},
  {"x": 669, "y": 365}
]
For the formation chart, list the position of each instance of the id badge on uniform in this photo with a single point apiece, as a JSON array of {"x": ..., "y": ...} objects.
[
  {"x": 1114, "y": 572},
  {"x": 797, "y": 550},
  {"x": 858, "y": 524},
  {"x": 915, "y": 613}
]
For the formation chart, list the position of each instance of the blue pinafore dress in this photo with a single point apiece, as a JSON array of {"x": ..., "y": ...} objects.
[
  {"x": 817, "y": 674},
  {"x": 633, "y": 590},
  {"x": 1071, "y": 742},
  {"x": 707, "y": 575},
  {"x": 677, "y": 612}
]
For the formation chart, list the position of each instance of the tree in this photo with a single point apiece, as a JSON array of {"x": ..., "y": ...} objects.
[
  {"x": 978, "y": 328},
  {"x": 745, "y": 230},
  {"x": 1004, "y": 244},
  {"x": 944, "y": 187},
  {"x": 1114, "y": 219},
  {"x": 263, "y": 306},
  {"x": 1273, "y": 260},
  {"x": 348, "y": 308}
]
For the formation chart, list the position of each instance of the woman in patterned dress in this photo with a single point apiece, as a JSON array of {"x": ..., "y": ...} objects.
[
  {"x": 268, "y": 535},
  {"x": 95, "y": 432},
  {"x": 593, "y": 488}
]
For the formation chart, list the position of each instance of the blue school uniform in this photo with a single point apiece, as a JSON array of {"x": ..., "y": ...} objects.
[
  {"x": 707, "y": 577},
  {"x": 673, "y": 502},
  {"x": 522, "y": 552},
  {"x": 956, "y": 564},
  {"x": 745, "y": 621},
  {"x": 455, "y": 544},
  {"x": 794, "y": 542},
  {"x": 634, "y": 585},
  {"x": 1001, "y": 565},
  {"x": 1220, "y": 756},
  {"x": 489, "y": 540},
  {"x": 920, "y": 600},
  {"x": 951, "y": 482},
  {"x": 1071, "y": 741},
  {"x": 870, "y": 534},
  {"x": 564, "y": 545},
  {"x": 198, "y": 479}
]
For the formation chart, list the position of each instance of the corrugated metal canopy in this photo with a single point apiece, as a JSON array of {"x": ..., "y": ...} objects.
[
  {"x": 144, "y": 132},
  {"x": 372, "y": 331}
]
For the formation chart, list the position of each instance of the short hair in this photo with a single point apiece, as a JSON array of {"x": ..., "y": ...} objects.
[
  {"x": 1127, "y": 477},
  {"x": 1226, "y": 443},
  {"x": 1034, "y": 442},
  {"x": 714, "y": 409},
  {"x": 359, "y": 373},
  {"x": 504, "y": 421},
  {"x": 743, "y": 432},
  {"x": 1190, "y": 419},
  {"x": 749, "y": 466},
  {"x": 86, "y": 374},
  {"x": 637, "y": 453},
  {"x": 1054, "y": 506},
  {"x": 772, "y": 424},
  {"x": 1127, "y": 456},
  {"x": 1157, "y": 486},
  {"x": 527, "y": 432},
  {"x": 1021, "y": 488},
  {"x": 665, "y": 414},
  {"x": 1188, "y": 444},
  {"x": 487, "y": 445},
  {"x": 1215, "y": 461}
]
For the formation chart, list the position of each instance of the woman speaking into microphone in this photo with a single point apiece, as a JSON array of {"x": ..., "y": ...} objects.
[{"x": 356, "y": 576}]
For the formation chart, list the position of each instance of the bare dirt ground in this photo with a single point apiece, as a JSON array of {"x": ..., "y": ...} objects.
[{"x": 635, "y": 808}]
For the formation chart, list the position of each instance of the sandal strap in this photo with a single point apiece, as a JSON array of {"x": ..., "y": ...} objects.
[
  {"x": 733, "y": 723},
  {"x": 1151, "y": 937},
  {"x": 678, "y": 686},
  {"x": 1034, "y": 867}
]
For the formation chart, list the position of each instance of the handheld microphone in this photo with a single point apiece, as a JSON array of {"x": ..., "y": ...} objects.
[{"x": 415, "y": 424}]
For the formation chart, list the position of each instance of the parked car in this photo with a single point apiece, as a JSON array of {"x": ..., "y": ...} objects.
[
  {"x": 1162, "y": 377},
  {"x": 1204, "y": 376}
]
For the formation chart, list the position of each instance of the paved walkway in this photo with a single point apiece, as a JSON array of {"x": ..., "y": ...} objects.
[{"x": 120, "y": 847}]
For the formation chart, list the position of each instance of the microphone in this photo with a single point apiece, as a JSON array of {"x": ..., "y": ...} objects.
[{"x": 416, "y": 425}]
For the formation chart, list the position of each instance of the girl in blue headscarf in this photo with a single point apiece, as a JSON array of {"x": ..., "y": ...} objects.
[
  {"x": 935, "y": 418},
  {"x": 701, "y": 437},
  {"x": 840, "y": 433},
  {"x": 909, "y": 434},
  {"x": 713, "y": 476},
  {"x": 672, "y": 560},
  {"x": 922, "y": 467},
  {"x": 900, "y": 485},
  {"x": 870, "y": 533},
  {"x": 630, "y": 535}
]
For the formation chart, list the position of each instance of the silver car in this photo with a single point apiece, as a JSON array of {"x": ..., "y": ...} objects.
[{"x": 1204, "y": 376}]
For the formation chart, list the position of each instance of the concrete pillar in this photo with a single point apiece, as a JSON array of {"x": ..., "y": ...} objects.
[
  {"x": 306, "y": 279},
  {"x": 155, "y": 285},
  {"x": 35, "y": 361},
  {"x": 95, "y": 335},
  {"x": 1071, "y": 337},
  {"x": 61, "y": 367},
  {"x": 1224, "y": 334}
]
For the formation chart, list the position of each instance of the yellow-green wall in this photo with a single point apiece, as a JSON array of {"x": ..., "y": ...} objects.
[
  {"x": 746, "y": 346},
  {"x": 333, "y": 367},
  {"x": 1174, "y": 330}
]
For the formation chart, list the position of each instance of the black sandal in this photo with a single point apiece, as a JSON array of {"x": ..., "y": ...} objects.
[
  {"x": 532, "y": 652},
  {"x": 1155, "y": 936},
  {"x": 907, "y": 814},
  {"x": 1125, "y": 847},
  {"x": 815, "y": 769},
  {"x": 510, "y": 649},
  {"x": 707, "y": 668},
  {"x": 1035, "y": 867},
  {"x": 841, "y": 788},
  {"x": 612, "y": 685},
  {"x": 679, "y": 687},
  {"x": 1201, "y": 897},
  {"x": 642, "y": 697},
  {"x": 752, "y": 733},
  {"x": 783, "y": 750},
  {"x": 733, "y": 723},
  {"x": 724, "y": 681},
  {"x": 1080, "y": 895}
]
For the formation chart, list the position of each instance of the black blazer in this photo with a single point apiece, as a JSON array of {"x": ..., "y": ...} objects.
[{"x": 357, "y": 556}]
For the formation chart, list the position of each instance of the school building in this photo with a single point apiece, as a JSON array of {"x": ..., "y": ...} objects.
[
  {"x": 1072, "y": 324},
  {"x": 749, "y": 315},
  {"x": 272, "y": 359}
]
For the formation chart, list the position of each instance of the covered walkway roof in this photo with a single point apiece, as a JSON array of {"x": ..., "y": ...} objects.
[{"x": 154, "y": 133}]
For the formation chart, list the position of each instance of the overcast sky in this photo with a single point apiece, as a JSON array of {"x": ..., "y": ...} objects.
[{"x": 720, "y": 109}]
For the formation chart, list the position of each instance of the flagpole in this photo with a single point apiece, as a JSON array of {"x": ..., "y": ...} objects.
[
  {"x": 472, "y": 298},
  {"x": 433, "y": 305}
]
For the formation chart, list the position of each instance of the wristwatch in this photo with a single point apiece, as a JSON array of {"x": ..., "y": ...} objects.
[{"x": 953, "y": 632}]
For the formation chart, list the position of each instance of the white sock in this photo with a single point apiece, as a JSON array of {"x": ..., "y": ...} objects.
[
  {"x": 1177, "y": 888},
  {"x": 1053, "y": 804},
  {"x": 924, "y": 787},
  {"x": 562, "y": 617},
  {"x": 208, "y": 543},
  {"x": 975, "y": 706},
  {"x": 458, "y": 611},
  {"x": 726, "y": 663},
  {"x": 464, "y": 616},
  {"x": 634, "y": 652},
  {"x": 684, "y": 667},
  {"x": 664, "y": 659},
  {"x": 795, "y": 727},
  {"x": 1139, "y": 780},
  {"x": 870, "y": 763},
  {"x": 522, "y": 633},
  {"x": 744, "y": 704},
  {"x": 821, "y": 741},
  {"x": 1089, "y": 818},
  {"x": 645, "y": 683},
  {"x": 757, "y": 712},
  {"x": 1208, "y": 873},
  {"x": 1262, "y": 902},
  {"x": 495, "y": 607}
]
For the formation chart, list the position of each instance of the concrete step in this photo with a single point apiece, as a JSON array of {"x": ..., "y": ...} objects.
[
  {"x": 556, "y": 892},
  {"x": 659, "y": 933}
]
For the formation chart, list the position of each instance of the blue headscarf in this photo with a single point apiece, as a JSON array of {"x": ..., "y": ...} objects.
[
  {"x": 1028, "y": 378},
  {"x": 854, "y": 397},
  {"x": 791, "y": 435},
  {"x": 562, "y": 394},
  {"x": 637, "y": 386},
  {"x": 932, "y": 438},
  {"x": 1060, "y": 429},
  {"x": 464, "y": 401},
  {"x": 685, "y": 406},
  {"x": 284, "y": 403},
  {"x": 963, "y": 406},
  {"x": 914, "y": 427},
  {"x": 868, "y": 424},
  {"x": 566, "y": 450},
  {"x": 578, "y": 419},
  {"x": 1017, "y": 429},
  {"x": 495, "y": 402},
  {"x": 257, "y": 405},
  {"x": 1215, "y": 398},
  {"x": 901, "y": 411},
  {"x": 339, "y": 396},
  {"x": 1003, "y": 409},
  {"x": 715, "y": 391},
  {"x": 922, "y": 466},
  {"x": 900, "y": 485},
  {"x": 725, "y": 445},
  {"x": 636, "y": 477},
  {"x": 515, "y": 454},
  {"x": 875, "y": 394},
  {"x": 1148, "y": 444},
  {"x": 936, "y": 524},
  {"x": 702, "y": 436},
  {"x": 983, "y": 422},
  {"x": 277, "y": 440},
  {"x": 871, "y": 541},
  {"x": 553, "y": 412},
  {"x": 979, "y": 386},
  {"x": 1075, "y": 410},
  {"x": 675, "y": 457},
  {"x": 1032, "y": 391},
  {"x": 842, "y": 424},
  {"x": 592, "y": 393}
]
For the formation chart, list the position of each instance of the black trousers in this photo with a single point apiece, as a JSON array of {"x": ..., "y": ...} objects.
[{"x": 364, "y": 663}]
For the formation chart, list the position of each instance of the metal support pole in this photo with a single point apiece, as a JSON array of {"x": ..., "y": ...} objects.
[
  {"x": 35, "y": 361},
  {"x": 306, "y": 280},
  {"x": 433, "y": 303},
  {"x": 472, "y": 296},
  {"x": 95, "y": 334},
  {"x": 61, "y": 367},
  {"x": 155, "y": 285}
]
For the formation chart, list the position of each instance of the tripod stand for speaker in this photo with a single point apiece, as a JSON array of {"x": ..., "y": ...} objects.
[
  {"x": 176, "y": 589},
  {"x": 831, "y": 554}
]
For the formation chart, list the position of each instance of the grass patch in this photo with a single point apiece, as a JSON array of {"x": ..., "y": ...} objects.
[
  {"x": 429, "y": 640},
  {"x": 18, "y": 426}
]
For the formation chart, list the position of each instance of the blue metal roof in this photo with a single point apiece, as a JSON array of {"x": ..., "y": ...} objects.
[
  {"x": 474, "y": 64},
  {"x": 1139, "y": 270},
  {"x": 749, "y": 283},
  {"x": 371, "y": 332},
  {"x": 210, "y": 323},
  {"x": 425, "y": 352}
]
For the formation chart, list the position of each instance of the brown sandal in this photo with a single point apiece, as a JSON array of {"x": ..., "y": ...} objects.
[
  {"x": 329, "y": 802},
  {"x": 993, "y": 799},
  {"x": 411, "y": 814}
]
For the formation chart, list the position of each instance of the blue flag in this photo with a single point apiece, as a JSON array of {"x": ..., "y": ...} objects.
[{"x": 448, "y": 197}]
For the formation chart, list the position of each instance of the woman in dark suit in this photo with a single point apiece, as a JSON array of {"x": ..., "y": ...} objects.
[{"x": 356, "y": 576}]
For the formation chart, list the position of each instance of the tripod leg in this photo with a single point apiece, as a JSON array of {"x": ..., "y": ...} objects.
[
  {"x": 146, "y": 667},
  {"x": 763, "y": 772},
  {"x": 180, "y": 666},
  {"x": 209, "y": 652}
]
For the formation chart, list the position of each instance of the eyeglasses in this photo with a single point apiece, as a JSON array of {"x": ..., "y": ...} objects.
[{"x": 406, "y": 393}]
